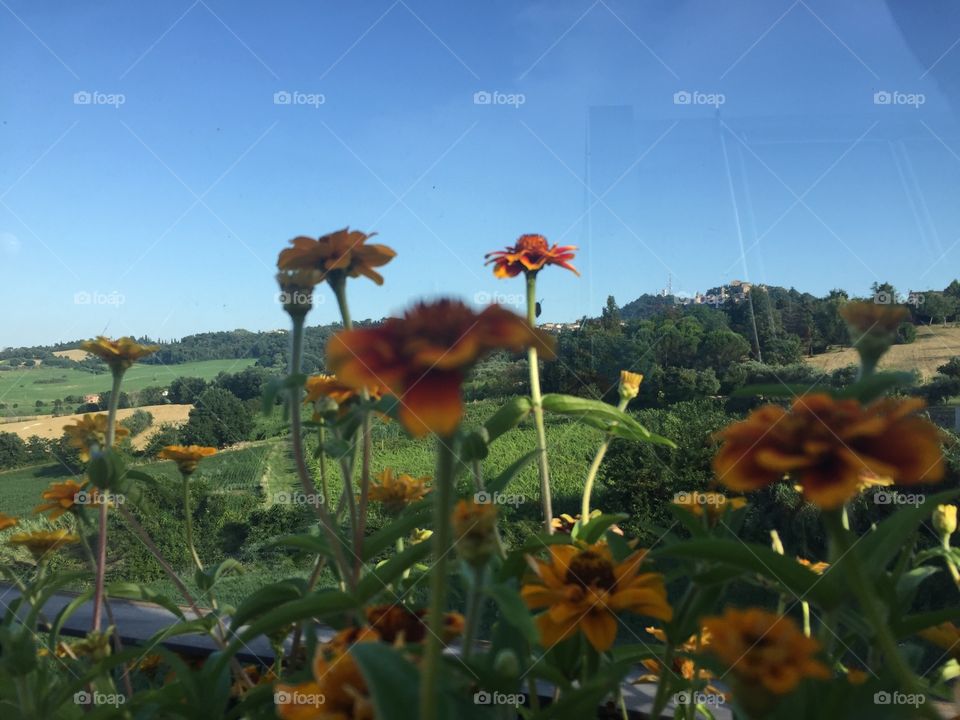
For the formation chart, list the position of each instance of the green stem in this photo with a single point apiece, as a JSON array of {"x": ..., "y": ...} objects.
[
  {"x": 101, "y": 572},
  {"x": 595, "y": 468},
  {"x": 474, "y": 609},
  {"x": 536, "y": 400},
  {"x": 442, "y": 536},
  {"x": 188, "y": 522}
]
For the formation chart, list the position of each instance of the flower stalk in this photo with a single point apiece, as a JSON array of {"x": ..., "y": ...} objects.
[
  {"x": 595, "y": 468},
  {"x": 536, "y": 400},
  {"x": 101, "y": 573}
]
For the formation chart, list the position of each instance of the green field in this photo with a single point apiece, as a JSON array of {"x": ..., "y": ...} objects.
[{"x": 20, "y": 389}]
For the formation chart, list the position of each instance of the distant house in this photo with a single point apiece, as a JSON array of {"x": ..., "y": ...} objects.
[{"x": 91, "y": 399}]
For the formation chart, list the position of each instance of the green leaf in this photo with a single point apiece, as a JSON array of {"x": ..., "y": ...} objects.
[
  {"x": 206, "y": 579},
  {"x": 501, "y": 481},
  {"x": 596, "y": 527},
  {"x": 784, "y": 571},
  {"x": 603, "y": 416},
  {"x": 876, "y": 385},
  {"x": 142, "y": 593},
  {"x": 413, "y": 516},
  {"x": 912, "y": 624},
  {"x": 507, "y": 417},
  {"x": 386, "y": 573},
  {"x": 394, "y": 682},
  {"x": 267, "y": 597},
  {"x": 314, "y": 544},
  {"x": 514, "y": 610}
]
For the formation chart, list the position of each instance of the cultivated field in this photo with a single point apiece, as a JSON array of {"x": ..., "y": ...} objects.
[
  {"x": 77, "y": 355},
  {"x": 933, "y": 347},
  {"x": 50, "y": 427},
  {"x": 23, "y": 387}
]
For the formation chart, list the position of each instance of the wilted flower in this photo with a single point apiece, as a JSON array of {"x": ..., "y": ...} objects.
[
  {"x": 530, "y": 255},
  {"x": 7, "y": 521},
  {"x": 90, "y": 432},
  {"x": 118, "y": 354},
  {"x": 423, "y": 357},
  {"x": 397, "y": 491},
  {"x": 187, "y": 457},
  {"x": 583, "y": 589},
  {"x": 475, "y": 530},
  {"x": 629, "y": 384},
  {"x": 831, "y": 447},
  {"x": 764, "y": 650},
  {"x": 945, "y": 520},
  {"x": 296, "y": 290},
  {"x": 41, "y": 542},
  {"x": 60, "y": 498},
  {"x": 344, "y": 253}
]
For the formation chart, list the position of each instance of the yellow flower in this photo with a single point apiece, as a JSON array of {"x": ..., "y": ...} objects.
[
  {"x": 764, "y": 649},
  {"x": 60, "y": 498},
  {"x": 397, "y": 491},
  {"x": 322, "y": 387},
  {"x": 713, "y": 504},
  {"x": 41, "y": 542},
  {"x": 945, "y": 520},
  {"x": 7, "y": 521},
  {"x": 564, "y": 523},
  {"x": 118, "y": 354},
  {"x": 420, "y": 535},
  {"x": 945, "y": 636},
  {"x": 818, "y": 567},
  {"x": 583, "y": 589},
  {"x": 90, "y": 432},
  {"x": 833, "y": 447},
  {"x": 344, "y": 252},
  {"x": 187, "y": 457},
  {"x": 629, "y": 384},
  {"x": 475, "y": 530}
]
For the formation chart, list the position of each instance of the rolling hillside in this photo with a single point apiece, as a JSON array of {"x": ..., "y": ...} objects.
[{"x": 934, "y": 346}]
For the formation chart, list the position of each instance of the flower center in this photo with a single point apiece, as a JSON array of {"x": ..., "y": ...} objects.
[
  {"x": 532, "y": 242},
  {"x": 589, "y": 569}
]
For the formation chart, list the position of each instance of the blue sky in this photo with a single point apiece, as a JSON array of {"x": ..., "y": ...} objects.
[{"x": 163, "y": 214}]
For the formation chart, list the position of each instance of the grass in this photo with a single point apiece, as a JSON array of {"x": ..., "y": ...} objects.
[{"x": 24, "y": 386}]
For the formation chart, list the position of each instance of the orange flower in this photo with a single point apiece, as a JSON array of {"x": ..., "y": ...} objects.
[
  {"x": 305, "y": 701},
  {"x": 530, "y": 255},
  {"x": 683, "y": 660},
  {"x": 564, "y": 523},
  {"x": 423, "y": 357},
  {"x": 945, "y": 636},
  {"x": 764, "y": 649},
  {"x": 342, "y": 253},
  {"x": 818, "y": 567},
  {"x": 867, "y": 317},
  {"x": 834, "y": 447},
  {"x": 322, "y": 386},
  {"x": 187, "y": 457},
  {"x": 90, "y": 432},
  {"x": 397, "y": 491},
  {"x": 7, "y": 521},
  {"x": 60, "y": 498},
  {"x": 583, "y": 589},
  {"x": 118, "y": 354},
  {"x": 41, "y": 542}
]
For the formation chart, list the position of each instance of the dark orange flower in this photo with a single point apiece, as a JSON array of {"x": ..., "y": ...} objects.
[
  {"x": 118, "y": 354},
  {"x": 397, "y": 491},
  {"x": 187, "y": 457},
  {"x": 833, "y": 447},
  {"x": 60, "y": 497},
  {"x": 583, "y": 589},
  {"x": 7, "y": 521},
  {"x": 90, "y": 432},
  {"x": 530, "y": 255},
  {"x": 423, "y": 357},
  {"x": 344, "y": 252},
  {"x": 764, "y": 650}
]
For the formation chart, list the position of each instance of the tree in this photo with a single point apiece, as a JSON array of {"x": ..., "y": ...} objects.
[
  {"x": 186, "y": 390},
  {"x": 13, "y": 451},
  {"x": 951, "y": 368},
  {"x": 721, "y": 348},
  {"x": 123, "y": 399},
  {"x": 610, "y": 320},
  {"x": 153, "y": 395},
  {"x": 246, "y": 384},
  {"x": 218, "y": 418}
]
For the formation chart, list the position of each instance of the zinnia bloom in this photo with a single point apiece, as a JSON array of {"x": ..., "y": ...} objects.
[
  {"x": 397, "y": 624},
  {"x": 118, "y": 354},
  {"x": 187, "y": 457},
  {"x": 60, "y": 498},
  {"x": 41, "y": 542},
  {"x": 397, "y": 491},
  {"x": 832, "y": 447},
  {"x": 765, "y": 649},
  {"x": 684, "y": 664},
  {"x": 7, "y": 521},
  {"x": 344, "y": 252},
  {"x": 475, "y": 530},
  {"x": 321, "y": 387},
  {"x": 945, "y": 636},
  {"x": 423, "y": 357},
  {"x": 530, "y": 255},
  {"x": 713, "y": 504},
  {"x": 583, "y": 589},
  {"x": 91, "y": 431},
  {"x": 629, "y": 384}
]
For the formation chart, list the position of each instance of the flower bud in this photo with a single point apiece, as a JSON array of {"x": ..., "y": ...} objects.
[
  {"x": 475, "y": 531},
  {"x": 945, "y": 520},
  {"x": 629, "y": 384}
]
